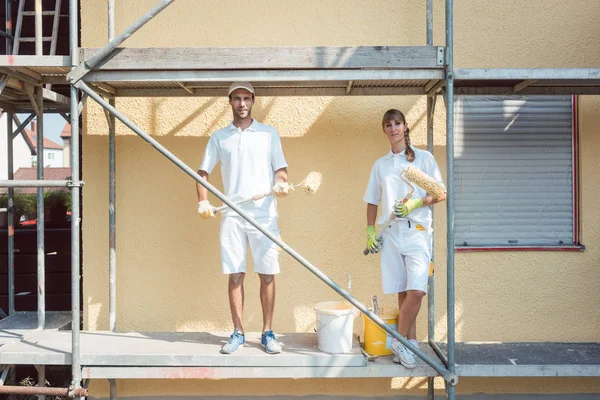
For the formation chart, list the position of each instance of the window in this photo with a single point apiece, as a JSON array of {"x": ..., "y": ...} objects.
[
  {"x": 515, "y": 172},
  {"x": 50, "y": 156}
]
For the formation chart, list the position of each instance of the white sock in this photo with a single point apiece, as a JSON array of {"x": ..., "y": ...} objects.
[{"x": 414, "y": 342}]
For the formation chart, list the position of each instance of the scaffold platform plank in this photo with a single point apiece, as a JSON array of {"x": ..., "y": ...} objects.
[
  {"x": 527, "y": 81},
  {"x": 381, "y": 367},
  {"x": 541, "y": 359},
  {"x": 267, "y": 58},
  {"x": 194, "y": 355},
  {"x": 282, "y": 71},
  {"x": 16, "y": 326},
  {"x": 101, "y": 348}
]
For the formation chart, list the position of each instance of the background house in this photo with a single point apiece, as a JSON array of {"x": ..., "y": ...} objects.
[
  {"x": 23, "y": 149},
  {"x": 65, "y": 135},
  {"x": 53, "y": 152}
]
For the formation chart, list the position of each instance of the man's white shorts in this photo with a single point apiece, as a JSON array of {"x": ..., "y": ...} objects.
[
  {"x": 236, "y": 234},
  {"x": 405, "y": 257}
]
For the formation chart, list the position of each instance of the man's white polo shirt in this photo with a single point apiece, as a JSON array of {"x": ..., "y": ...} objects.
[
  {"x": 385, "y": 185},
  {"x": 249, "y": 160}
]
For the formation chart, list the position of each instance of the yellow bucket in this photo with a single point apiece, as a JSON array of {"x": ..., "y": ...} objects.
[{"x": 377, "y": 342}]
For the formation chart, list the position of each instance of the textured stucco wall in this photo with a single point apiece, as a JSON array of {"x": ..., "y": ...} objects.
[{"x": 168, "y": 260}]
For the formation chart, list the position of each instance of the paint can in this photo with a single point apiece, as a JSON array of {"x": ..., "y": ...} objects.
[
  {"x": 335, "y": 320},
  {"x": 377, "y": 342}
]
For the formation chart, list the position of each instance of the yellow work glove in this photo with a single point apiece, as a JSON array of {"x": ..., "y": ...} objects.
[
  {"x": 281, "y": 189},
  {"x": 373, "y": 244},
  {"x": 403, "y": 207},
  {"x": 205, "y": 210}
]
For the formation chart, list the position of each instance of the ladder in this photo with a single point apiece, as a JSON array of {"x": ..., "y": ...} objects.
[{"x": 38, "y": 39}]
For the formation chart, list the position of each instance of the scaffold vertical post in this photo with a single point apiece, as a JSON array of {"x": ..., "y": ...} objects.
[
  {"x": 431, "y": 291},
  {"x": 41, "y": 370},
  {"x": 451, "y": 389},
  {"x": 39, "y": 37},
  {"x": 75, "y": 203},
  {"x": 429, "y": 22},
  {"x": 10, "y": 215},
  {"x": 112, "y": 240},
  {"x": 41, "y": 225},
  {"x": 113, "y": 389}
]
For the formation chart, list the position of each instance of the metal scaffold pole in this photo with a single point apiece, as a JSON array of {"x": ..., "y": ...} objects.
[
  {"x": 41, "y": 224},
  {"x": 10, "y": 216},
  {"x": 431, "y": 291},
  {"x": 112, "y": 234},
  {"x": 112, "y": 207},
  {"x": 451, "y": 390},
  {"x": 75, "y": 204},
  {"x": 39, "y": 43}
]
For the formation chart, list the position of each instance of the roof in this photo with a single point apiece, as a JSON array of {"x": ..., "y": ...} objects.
[
  {"x": 30, "y": 173},
  {"x": 66, "y": 132},
  {"x": 48, "y": 144}
]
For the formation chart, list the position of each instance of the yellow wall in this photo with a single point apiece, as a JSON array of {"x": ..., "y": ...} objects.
[{"x": 168, "y": 260}]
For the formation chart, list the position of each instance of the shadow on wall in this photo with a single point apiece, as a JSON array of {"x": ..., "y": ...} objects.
[{"x": 169, "y": 260}]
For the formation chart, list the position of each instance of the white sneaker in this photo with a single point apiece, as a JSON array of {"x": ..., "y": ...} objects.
[
  {"x": 403, "y": 355},
  {"x": 414, "y": 343}
]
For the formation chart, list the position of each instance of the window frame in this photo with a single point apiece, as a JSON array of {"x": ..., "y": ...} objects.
[{"x": 577, "y": 246}]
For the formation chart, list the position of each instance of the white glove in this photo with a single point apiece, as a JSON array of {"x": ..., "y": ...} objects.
[
  {"x": 281, "y": 189},
  {"x": 205, "y": 210}
]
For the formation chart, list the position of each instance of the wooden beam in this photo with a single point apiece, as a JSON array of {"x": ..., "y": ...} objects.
[
  {"x": 225, "y": 77},
  {"x": 56, "y": 97},
  {"x": 35, "y": 61},
  {"x": 522, "y": 85},
  {"x": 224, "y": 58},
  {"x": 185, "y": 88},
  {"x": 282, "y": 91}
]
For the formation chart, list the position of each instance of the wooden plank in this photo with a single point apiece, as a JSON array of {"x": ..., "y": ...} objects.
[
  {"x": 526, "y": 73},
  {"x": 101, "y": 348},
  {"x": 263, "y": 58},
  {"x": 35, "y": 61},
  {"x": 50, "y": 95},
  {"x": 225, "y": 77},
  {"x": 530, "y": 90},
  {"x": 15, "y": 327},
  {"x": 379, "y": 368},
  {"x": 281, "y": 91}
]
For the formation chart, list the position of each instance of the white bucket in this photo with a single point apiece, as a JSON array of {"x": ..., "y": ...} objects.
[{"x": 334, "y": 326}]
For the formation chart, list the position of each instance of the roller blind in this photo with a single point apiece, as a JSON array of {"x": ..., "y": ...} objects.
[{"x": 513, "y": 171}]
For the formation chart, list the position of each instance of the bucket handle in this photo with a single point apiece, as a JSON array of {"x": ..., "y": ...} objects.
[{"x": 355, "y": 314}]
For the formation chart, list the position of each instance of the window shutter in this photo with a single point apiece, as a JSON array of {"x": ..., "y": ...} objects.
[{"x": 513, "y": 171}]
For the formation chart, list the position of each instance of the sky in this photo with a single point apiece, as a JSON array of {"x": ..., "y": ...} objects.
[{"x": 53, "y": 126}]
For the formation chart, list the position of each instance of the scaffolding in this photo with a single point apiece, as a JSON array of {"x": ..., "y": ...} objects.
[{"x": 112, "y": 71}]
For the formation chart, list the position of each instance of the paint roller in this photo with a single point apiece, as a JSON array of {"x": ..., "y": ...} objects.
[
  {"x": 310, "y": 185},
  {"x": 421, "y": 179}
]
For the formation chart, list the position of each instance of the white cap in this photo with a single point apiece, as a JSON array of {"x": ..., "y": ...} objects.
[{"x": 241, "y": 85}]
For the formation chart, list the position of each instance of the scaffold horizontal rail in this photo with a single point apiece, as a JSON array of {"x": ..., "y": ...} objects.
[{"x": 38, "y": 183}]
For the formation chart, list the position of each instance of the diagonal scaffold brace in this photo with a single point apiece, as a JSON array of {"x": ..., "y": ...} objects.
[{"x": 448, "y": 376}]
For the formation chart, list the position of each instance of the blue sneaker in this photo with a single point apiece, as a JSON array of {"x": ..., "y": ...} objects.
[
  {"x": 269, "y": 342},
  {"x": 236, "y": 340}
]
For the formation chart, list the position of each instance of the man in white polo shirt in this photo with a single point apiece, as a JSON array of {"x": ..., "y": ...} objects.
[{"x": 252, "y": 162}]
